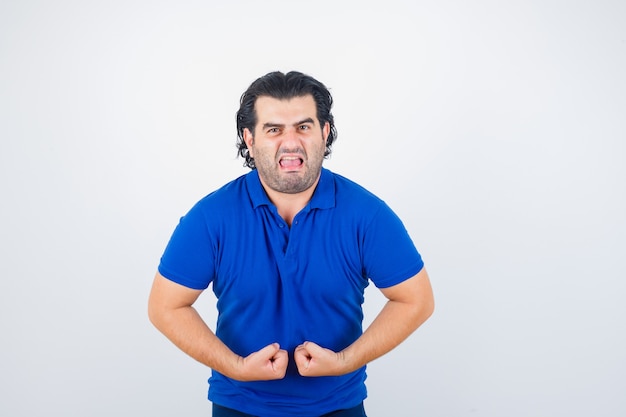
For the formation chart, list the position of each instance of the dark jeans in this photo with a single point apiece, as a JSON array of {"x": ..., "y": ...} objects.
[{"x": 358, "y": 411}]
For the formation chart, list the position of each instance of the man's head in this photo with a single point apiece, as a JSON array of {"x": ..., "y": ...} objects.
[{"x": 283, "y": 87}]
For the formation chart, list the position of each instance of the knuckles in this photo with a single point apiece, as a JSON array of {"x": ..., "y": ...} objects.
[{"x": 310, "y": 360}]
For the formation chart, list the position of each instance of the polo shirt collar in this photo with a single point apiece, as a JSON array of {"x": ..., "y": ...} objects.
[{"x": 323, "y": 196}]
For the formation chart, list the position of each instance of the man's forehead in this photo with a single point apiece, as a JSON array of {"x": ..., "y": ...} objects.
[
  {"x": 264, "y": 99},
  {"x": 268, "y": 104}
]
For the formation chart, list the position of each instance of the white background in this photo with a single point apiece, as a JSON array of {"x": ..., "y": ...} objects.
[{"x": 496, "y": 130}]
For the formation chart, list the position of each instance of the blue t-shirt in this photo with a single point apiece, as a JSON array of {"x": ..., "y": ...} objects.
[{"x": 276, "y": 283}]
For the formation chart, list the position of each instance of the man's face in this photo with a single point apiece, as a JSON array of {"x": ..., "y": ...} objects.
[{"x": 288, "y": 144}]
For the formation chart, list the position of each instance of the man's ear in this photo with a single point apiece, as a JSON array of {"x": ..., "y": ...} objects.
[{"x": 248, "y": 138}]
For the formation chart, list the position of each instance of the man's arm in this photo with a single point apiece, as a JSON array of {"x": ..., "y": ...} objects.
[
  {"x": 409, "y": 304},
  {"x": 170, "y": 310}
]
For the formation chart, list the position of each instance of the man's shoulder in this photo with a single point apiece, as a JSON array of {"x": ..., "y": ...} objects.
[
  {"x": 228, "y": 196},
  {"x": 350, "y": 191}
]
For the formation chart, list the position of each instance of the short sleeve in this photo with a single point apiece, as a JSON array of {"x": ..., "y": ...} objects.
[
  {"x": 189, "y": 258},
  {"x": 389, "y": 254}
]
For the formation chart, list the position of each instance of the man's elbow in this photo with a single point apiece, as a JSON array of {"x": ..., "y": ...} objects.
[
  {"x": 428, "y": 307},
  {"x": 157, "y": 313},
  {"x": 424, "y": 308},
  {"x": 153, "y": 312},
  {"x": 425, "y": 303}
]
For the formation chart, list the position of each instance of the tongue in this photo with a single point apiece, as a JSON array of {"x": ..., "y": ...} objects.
[{"x": 290, "y": 163}]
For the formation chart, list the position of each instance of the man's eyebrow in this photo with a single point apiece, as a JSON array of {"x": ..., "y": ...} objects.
[
  {"x": 307, "y": 120},
  {"x": 269, "y": 125}
]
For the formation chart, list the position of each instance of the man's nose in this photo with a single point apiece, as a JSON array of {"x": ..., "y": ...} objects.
[{"x": 291, "y": 136}]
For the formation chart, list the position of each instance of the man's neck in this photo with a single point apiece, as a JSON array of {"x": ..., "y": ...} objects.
[{"x": 289, "y": 205}]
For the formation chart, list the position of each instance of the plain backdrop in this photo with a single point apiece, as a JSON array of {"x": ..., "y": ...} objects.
[{"x": 496, "y": 131}]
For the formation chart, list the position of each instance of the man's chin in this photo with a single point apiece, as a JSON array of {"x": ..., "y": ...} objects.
[{"x": 293, "y": 184}]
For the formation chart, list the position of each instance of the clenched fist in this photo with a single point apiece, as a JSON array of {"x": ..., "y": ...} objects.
[
  {"x": 266, "y": 364},
  {"x": 314, "y": 360}
]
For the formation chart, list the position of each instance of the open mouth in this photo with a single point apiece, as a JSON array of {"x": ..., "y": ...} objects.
[{"x": 291, "y": 162}]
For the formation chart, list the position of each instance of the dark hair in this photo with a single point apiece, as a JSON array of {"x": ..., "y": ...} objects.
[{"x": 283, "y": 87}]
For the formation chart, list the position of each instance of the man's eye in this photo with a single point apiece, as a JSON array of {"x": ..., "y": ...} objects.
[
  {"x": 273, "y": 130},
  {"x": 304, "y": 127}
]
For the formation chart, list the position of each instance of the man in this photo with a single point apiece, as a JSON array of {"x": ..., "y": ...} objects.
[{"x": 289, "y": 249}]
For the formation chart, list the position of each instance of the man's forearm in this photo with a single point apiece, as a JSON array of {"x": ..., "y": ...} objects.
[
  {"x": 395, "y": 322},
  {"x": 410, "y": 304},
  {"x": 186, "y": 329},
  {"x": 170, "y": 308}
]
